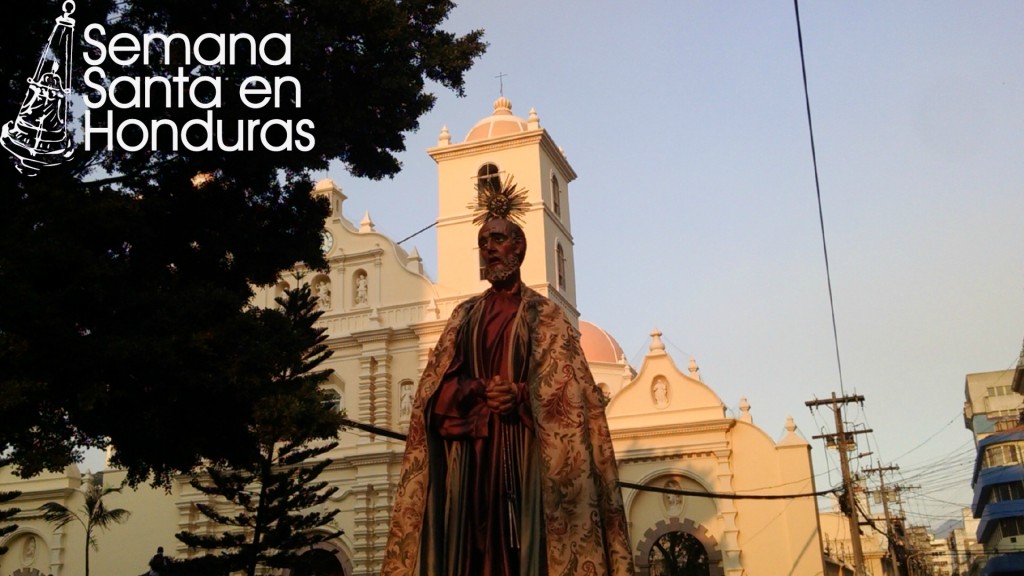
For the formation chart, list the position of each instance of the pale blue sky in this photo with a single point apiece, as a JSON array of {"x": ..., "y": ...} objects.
[{"x": 695, "y": 210}]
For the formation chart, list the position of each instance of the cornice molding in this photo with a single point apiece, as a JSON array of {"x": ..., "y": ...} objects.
[
  {"x": 374, "y": 335},
  {"x": 387, "y": 457},
  {"x": 660, "y": 456},
  {"x": 673, "y": 429},
  {"x": 556, "y": 296},
  {"x": 538, "y": 137}
]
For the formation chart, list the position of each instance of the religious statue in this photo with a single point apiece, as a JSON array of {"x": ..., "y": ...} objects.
[
  {"x": 361, "y": 288},
  {"x": 509, "y": 467},
  {"x": 673, "y": 502},
  {"x": 405, "y": 406},
  {"x": 28, "y": 551},
  {"x": 323, "y": 294},
  {"x": 660, "y": 393}
]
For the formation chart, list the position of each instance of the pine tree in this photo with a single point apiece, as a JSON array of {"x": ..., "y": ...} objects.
[
  {"x": 272, "y": 511},
  {"x": 267, "y": 518}
]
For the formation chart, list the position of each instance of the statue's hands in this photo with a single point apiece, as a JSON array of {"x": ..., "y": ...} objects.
[{"x": 501, "y": 395}]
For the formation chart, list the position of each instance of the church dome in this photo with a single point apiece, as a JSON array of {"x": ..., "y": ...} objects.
[
  {"x": 501, "y": 123},
  {"x": 325, "y": 184},
  {"x": 598, "y": 345}
]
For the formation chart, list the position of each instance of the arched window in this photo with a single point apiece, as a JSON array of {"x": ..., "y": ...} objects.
[
  {"x": 333, "y": 400},
  {"x": 556, "y": 195},
  {"x": 488, "y": 176},
  {"x": 560, "y": 264},
  {"x": 279, "y": 291},
  {"x": 319, "y": 562}
]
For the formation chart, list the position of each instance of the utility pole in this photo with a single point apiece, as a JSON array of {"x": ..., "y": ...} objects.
[
  {"x": 842, "y": 441},
  {"x": 898, "y": 489},
  {"x": 885, "y": 509}
]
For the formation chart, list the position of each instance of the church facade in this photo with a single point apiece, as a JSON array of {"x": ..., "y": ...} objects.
[{"x": 733, "y": 499}]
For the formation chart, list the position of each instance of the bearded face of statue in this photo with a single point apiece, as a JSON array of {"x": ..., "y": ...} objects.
[{"x": 502, "y": 247}]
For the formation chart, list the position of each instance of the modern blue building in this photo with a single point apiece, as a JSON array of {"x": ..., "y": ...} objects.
[
  {"x": 998, "y": 479},
  {"x": 999, "y": 502}
]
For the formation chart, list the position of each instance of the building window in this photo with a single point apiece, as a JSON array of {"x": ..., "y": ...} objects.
[
  {"x": 1001, "y": 455},
  {"x": 1004, "y": 390},
  {"x": 560, "y": 264},
  {"x": 1005, "y": 424},
  {"x": 1007, "y": 491},
  {"x": 556, "y": 196},
  {"x": 1010, "y": 527},
  {"x": 487, "y": 176},
  {"x": 333, "y": 400}
]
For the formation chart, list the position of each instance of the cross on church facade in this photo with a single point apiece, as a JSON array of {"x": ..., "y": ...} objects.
[{"x": 501, "y": 83}]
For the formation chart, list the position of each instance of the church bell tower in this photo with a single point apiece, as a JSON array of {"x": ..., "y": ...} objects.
[{"x": 498, "y": 146}]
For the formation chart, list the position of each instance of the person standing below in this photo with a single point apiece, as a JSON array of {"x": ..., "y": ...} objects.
[
  {"x": 158, "y": 563},
  {"x": 509, "y": 468}
]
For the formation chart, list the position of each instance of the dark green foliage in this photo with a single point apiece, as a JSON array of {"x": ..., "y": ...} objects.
[
  {"x": 6, "y": 515},
  {"x": 125, "y": 285},
  {"x": 272, "y": 511},
  {"x": 271, "y": 516},
  {"x": 362, "y": 66}
]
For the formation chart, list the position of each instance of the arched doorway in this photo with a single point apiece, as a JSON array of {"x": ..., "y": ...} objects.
[
  {"x": 678, "y": 554},
  {"x": 319, "y": 562},
  {"x": 661, "y": 542}
]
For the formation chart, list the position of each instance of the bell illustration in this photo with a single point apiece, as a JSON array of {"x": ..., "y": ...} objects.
[{"x": 39, "y": 137}]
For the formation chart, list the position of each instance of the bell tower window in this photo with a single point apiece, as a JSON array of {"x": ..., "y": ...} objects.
[
  {"x": 556, "y": 196},
  {"x": 560, "y": 264},
  {"x": 487, "y": 176}
]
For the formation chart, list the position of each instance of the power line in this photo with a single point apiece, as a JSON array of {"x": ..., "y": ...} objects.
[
  {"x": 370, "y": 428},
  {"x": 817, "y": 188},
  {"x": 373, "y": 429},
  {"x": 726, "y": 496},
  {"x": 928, "y": 439},
  {"x": 418, "y": 232}
]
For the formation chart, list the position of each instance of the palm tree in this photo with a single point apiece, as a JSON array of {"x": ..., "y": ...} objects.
[
  {"x": 94, "y": 514},
  {"x": 6, "y": 515}
]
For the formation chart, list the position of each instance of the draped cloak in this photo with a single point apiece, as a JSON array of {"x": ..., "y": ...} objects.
[{"x": 570, "y": 504}]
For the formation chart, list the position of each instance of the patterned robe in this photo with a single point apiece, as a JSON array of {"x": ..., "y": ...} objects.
[{"x": 580, "y": 506}]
